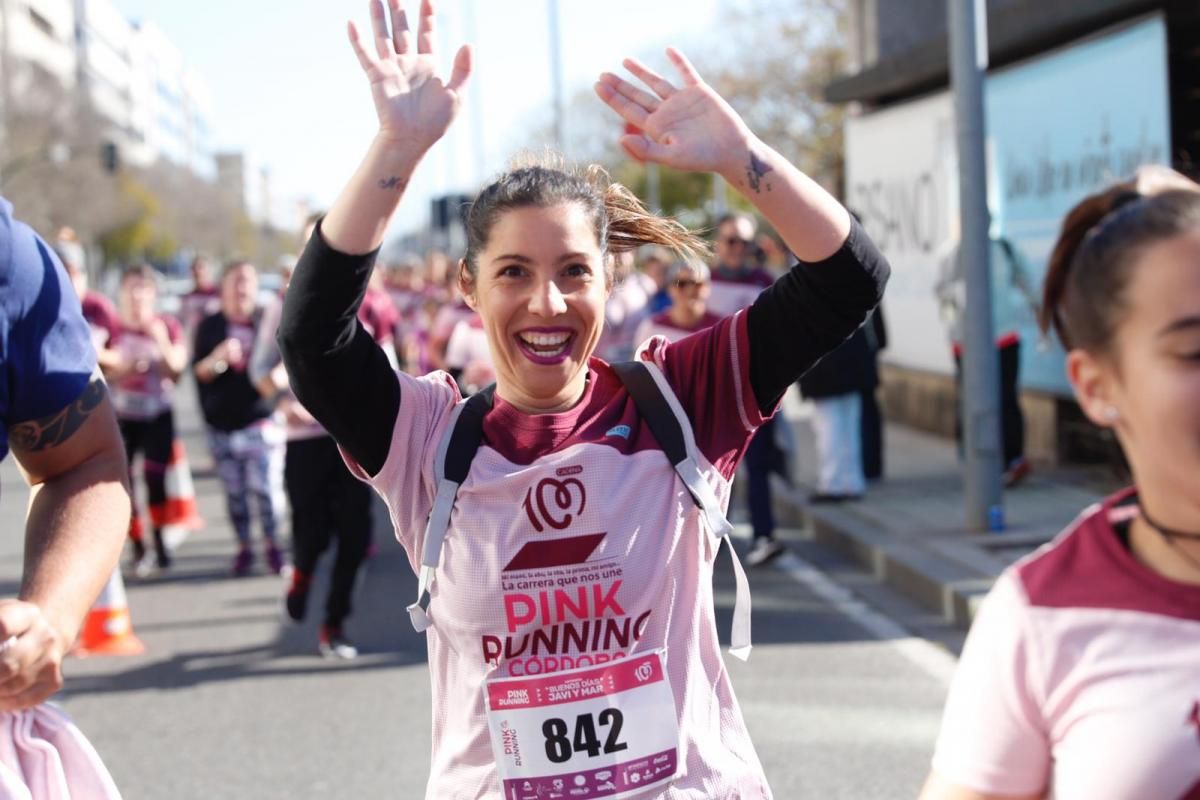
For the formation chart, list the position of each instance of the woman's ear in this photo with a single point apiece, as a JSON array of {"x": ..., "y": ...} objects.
[
  {"x": 466, "y": 284},
  {"x": 1092, "y": 379}
]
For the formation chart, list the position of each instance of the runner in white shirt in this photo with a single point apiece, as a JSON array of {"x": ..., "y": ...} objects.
[
  {"x": 468, "y": 357},
  {"x": 1080, "y": 679},
  {"x": 573, "y": 646}
]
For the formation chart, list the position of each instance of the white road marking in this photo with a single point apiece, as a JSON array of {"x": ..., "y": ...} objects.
[{"x": 929, "y": 658}]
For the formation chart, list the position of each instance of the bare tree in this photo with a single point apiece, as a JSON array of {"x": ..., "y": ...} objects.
[
  {"x": 52, "y": 170},
  {"x": 50, "y": 158},
  {"x": 772, "y": 63},
  {"x": 771, "y": 59}
]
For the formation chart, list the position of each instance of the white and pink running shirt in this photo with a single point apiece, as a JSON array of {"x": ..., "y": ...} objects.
[
  {"x": 662, "y": 325},
  {"x": 733, "y": 291},
  {"x": 1080, "y": 676},
  {"x": 573, "y": 543}
]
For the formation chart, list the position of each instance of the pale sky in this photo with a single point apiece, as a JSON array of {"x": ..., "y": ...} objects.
[{"x": 288, "y": 91}]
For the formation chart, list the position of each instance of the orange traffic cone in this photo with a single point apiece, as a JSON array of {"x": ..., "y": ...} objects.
[
  {"x": 178, "y": 515},
  {"x": 107, "y": 631}
]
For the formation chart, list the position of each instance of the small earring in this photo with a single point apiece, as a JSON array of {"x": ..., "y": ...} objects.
[{"x": 1111, "y": 414}]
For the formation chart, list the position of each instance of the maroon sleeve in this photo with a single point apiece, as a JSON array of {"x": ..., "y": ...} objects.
[
  {"x": 710, "y": 373},
  {"x": 101, "y": 313}
]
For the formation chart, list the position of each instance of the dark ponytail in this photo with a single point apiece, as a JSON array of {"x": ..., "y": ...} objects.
[{"x": 1084, "y": 295}]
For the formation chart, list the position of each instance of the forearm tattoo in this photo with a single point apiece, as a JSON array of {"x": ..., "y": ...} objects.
[
  {"x": 394, "y": 182},
  {"x": 755, "y": 171},
  {"x": 40, "y": 434}
]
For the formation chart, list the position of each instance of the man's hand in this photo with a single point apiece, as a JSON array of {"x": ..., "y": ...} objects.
[{"x": 31, "y": 654}]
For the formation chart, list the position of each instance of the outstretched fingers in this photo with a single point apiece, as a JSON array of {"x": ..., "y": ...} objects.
[
  {"x": 461, "y": 69},
  {"x": 425, "y": 28},
  {"x": 690, "y": 76},
  {"x": 401, "y": 35},
  {"x": 642, "y": 98},
  {"x": 364, "y": 58},
  {"x": 661, "y": 86},
  {"x": 643, "y": 148},
  {"x": 626, "y": 108},
  {"x": 379, "y": 29}
]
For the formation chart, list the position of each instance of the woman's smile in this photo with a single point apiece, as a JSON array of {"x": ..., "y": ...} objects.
[{"x": 546, "y": 345}]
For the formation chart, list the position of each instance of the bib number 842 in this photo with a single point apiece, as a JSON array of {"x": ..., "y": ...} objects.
[{"x": 560, "y": 748}]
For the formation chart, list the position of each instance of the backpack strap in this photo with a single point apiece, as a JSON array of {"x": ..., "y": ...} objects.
[
  {"x": 658, "y": 406},
  {"x": 451, "y": 465}
]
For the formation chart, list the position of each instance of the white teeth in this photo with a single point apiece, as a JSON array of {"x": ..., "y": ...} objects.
[{"x": 545, "y": 339}]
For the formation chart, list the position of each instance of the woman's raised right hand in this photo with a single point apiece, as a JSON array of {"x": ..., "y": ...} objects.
[{"x": 414, "y": 105}]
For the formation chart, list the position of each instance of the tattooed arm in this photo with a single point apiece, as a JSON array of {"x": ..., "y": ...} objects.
[
  {"x": 691, "y": 127},
  {"x": 78, "y": 517},
  {"x": 840, "y": 275}
]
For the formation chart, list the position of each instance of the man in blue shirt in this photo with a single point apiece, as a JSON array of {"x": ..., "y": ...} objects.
[{"x": 56, "y": 419}]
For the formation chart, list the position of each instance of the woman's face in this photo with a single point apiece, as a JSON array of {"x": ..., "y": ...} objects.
[
  {"x": 239, "y": 292},
  {"x": 540, "y": 291},
  {"x": 136, "y": 300},
  {"x": 734, "y": 237},
  {"x": 1148, "y": 390},
  {"x": 689, "y": 294}
]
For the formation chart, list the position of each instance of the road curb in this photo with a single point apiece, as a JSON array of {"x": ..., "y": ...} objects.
[{"x": 937, "y": 582}]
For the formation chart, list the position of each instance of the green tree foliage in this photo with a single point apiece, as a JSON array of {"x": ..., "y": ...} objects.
[
  {"x": 134, "y": 238},
  {"x": 771, "y": 59},
  {"x": 771, "y": 63}
]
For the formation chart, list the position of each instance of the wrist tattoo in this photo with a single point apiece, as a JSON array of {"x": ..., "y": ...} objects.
[
  {"x": 394, "y": 182},
  {"x": 755, "y": 171},
  {"x": 40, "y": 434}
]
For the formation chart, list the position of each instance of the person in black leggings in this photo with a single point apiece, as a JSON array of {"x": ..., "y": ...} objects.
[{"x": 328, "y": 503}]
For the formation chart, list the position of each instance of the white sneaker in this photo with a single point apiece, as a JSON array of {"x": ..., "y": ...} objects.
[
  {"x": 764, "y": 552},
  {"x": 145, "y": 567},
  {"x": 332, "y": 644}
]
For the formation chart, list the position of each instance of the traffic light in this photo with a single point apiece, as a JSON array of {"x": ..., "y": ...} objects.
[
  {"x": 110, "y": 157},
  {"x": 440, "y": 213},
  {"x": 449, "y": 209}
]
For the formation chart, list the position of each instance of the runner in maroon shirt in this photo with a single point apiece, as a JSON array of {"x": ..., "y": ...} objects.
[{"x": 572, "y": 546}]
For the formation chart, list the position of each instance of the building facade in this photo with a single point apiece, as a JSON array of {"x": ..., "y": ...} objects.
[
  {"x": 36, "y": 35},
  {"x": 152, "y": 105},
  {"x": 1078, "y": 93}
]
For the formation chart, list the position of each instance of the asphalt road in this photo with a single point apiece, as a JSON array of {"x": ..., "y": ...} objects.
[{"x": 230, "y": 702}]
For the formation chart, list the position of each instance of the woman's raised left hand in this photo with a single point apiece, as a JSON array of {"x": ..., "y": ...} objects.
[{"x": 689, "y": 127}]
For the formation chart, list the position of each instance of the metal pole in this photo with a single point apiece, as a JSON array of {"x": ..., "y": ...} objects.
[
  {"x": 653, "y": 188},
  {"x": 720, "y": 204},
  {"x": 475, "y": 99},
  {"x": 560, "y": 138},
  {"x": 981, "y": 420}
]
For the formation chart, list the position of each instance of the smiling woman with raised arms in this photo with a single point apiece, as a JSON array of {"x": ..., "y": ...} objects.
[{"x": 565, "y": 522}]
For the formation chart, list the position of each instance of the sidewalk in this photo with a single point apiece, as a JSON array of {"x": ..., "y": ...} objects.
[{"x": 909, "y": 530}]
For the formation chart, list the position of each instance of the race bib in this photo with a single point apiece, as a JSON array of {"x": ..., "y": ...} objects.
[
  {"x": 607, "y": 731},
  {"x": 133, "y": 405}
]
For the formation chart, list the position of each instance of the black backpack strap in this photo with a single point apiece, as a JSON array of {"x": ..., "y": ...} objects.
[
  {"x": 659, "y": 408},
  {"x": 465, "y": 436},
  {"x": 653, "y": 408},
  {"x": 452, "y": 463}
]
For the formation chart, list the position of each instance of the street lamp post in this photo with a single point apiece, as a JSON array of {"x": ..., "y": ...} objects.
[
  {"x": 560, "y": 138},
  {"x": 981, "y": 419}
]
